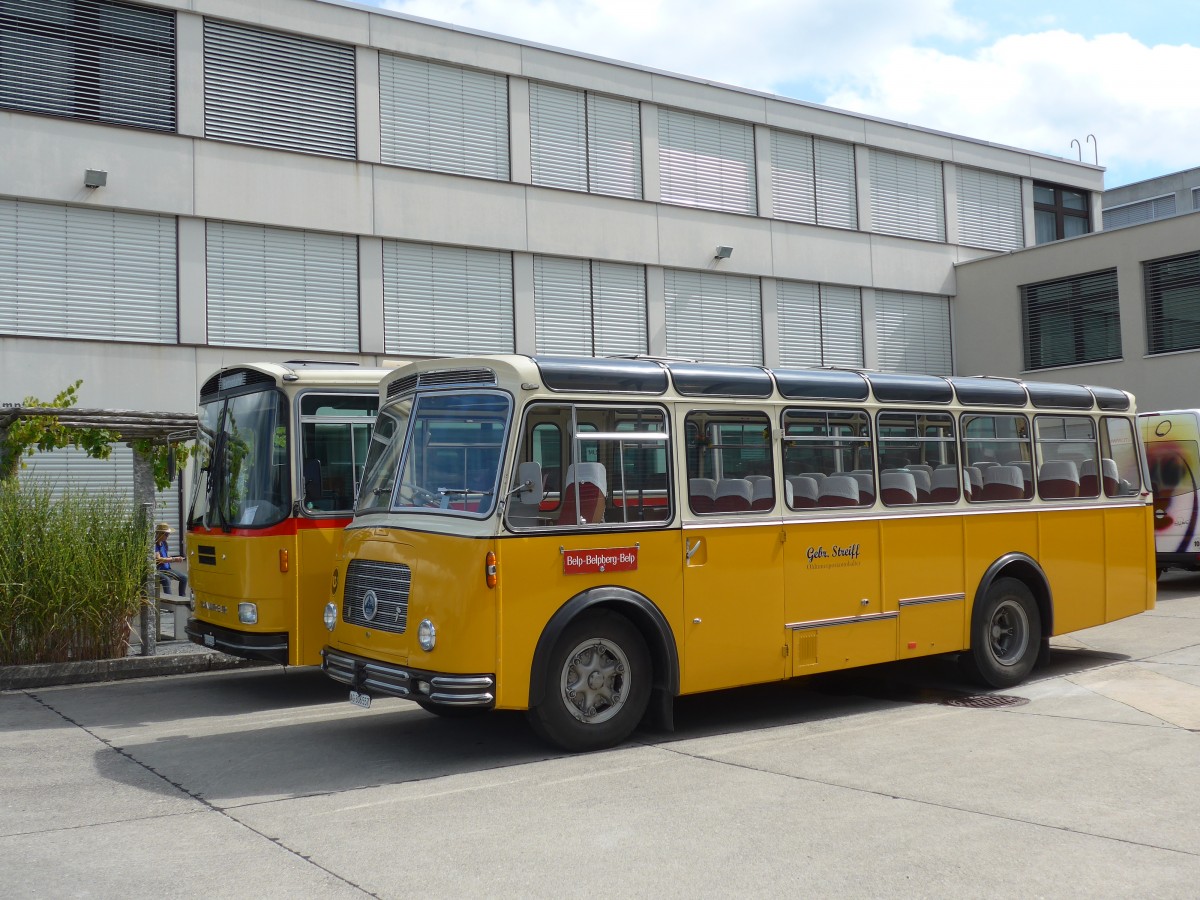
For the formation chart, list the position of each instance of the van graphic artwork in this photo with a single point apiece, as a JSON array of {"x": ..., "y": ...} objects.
[{"x": 1173, "y": 456}]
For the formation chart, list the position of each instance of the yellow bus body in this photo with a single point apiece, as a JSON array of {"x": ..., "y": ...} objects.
[{"x": 741, "y": 599}]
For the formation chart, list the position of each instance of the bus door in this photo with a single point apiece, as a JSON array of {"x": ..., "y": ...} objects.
[
  {"x": 732, "y": 553},
  {"x": 833, "y": 611}
]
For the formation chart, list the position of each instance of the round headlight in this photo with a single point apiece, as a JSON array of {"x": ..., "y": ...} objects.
[
  {"x": 330, "y": 615},
  {"x": 426, "y": 635}
]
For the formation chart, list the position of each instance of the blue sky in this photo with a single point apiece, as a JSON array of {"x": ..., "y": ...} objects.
[{"x": 1034, "y": 75}]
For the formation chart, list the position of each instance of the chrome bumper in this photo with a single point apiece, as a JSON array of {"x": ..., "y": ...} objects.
[{"x": 373, "y": 677}]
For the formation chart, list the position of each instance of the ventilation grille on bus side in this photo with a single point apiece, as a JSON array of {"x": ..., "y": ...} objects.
[
  {"x": 391, "y": 583},
  {"x": 456, "y": 377}
]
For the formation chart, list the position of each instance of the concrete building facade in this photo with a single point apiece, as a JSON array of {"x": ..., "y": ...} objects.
[{"x": 192, "y": 183}]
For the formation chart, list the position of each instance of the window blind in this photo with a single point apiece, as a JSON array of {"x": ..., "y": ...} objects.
[
  {"x": 1071, "y": 320},
  {"x": 89, "y": 59},
  {"x": 443, "y": 118},
  {"x": 819, "y": 324},
  {"x": 1142, "y": 211},
  {"x": 278, "y": 90},
  {"x": 913, "y": 333},
  {"x": 989, "y": 210},
  {"x": 713, "y": 318},
  {"x": 907, "y": 198},
  {"x": 1172, "y": 288},
  {"x": 446, "y": 300},
  {"x": 83, "y": 272},
  {"x": 277, "y": 287},
  {"x": 706, "y": 162}
]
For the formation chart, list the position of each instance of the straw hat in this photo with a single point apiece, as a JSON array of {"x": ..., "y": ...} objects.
[{"x": 163, "y": 528}]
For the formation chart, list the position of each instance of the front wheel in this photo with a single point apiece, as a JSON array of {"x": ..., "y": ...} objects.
[
  {"x": 597, "y": 684},
  {"x": 1006, "y": 635}
]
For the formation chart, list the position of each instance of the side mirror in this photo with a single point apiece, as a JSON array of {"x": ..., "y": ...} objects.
[{"x": 529, "y": 474}]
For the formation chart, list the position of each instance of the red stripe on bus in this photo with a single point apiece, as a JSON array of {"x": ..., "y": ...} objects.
[{"x": 286, "y": 527}]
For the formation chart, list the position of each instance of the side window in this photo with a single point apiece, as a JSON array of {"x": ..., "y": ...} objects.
[
  {"x": 997, "y": 457},
  {"x": 827, "y": 458},
  {"x": 600, "y": 465},
  {"x": 918, "y": 462},
  {"x": 1066, "y": 452},
  {"x": 1119, "y": 468},
  {"x": 334, "y": 431},
  {"x": 730, "y": 469}
]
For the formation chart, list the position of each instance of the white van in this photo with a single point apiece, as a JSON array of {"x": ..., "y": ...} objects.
[{"x": 1172, "y": 440}]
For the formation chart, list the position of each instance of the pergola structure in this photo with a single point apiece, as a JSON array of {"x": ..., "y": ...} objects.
[{"x": 128, "y": 426}]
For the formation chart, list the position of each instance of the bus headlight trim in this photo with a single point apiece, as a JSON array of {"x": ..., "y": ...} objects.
[
  {"x": 330, "y": 615},
  {"x": 426, "y": 635},
  {"x": 248, "y": 613}
]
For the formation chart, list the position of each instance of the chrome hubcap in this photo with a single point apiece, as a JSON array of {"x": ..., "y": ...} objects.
[{"x": 595, "y": 681}]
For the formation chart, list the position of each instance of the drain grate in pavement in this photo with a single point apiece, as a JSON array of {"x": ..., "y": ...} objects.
[{"x": 986, "y": 701}]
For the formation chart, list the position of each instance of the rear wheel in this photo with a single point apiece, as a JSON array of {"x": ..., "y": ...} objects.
[
  {"x": 1006, "y": 635},
  {"x": 597, "y": 684}
]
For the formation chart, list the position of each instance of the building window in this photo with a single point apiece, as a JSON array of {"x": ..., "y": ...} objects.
[
  {"x": 281, "y": 288},
  {"x": 85, "y": 272},
  {"x": 913, "y": 333},
  {"x": 819, "y": 324},
  {"x": 1071, "y": 321},
  {"x": 907, "y": 196},
  {"x": 89, "y": 59},
  {"x": 1173, "y": 303},
  {"x": 443, "y": 118},
  {"x": 589, "y": 308},
  {"x": 1136, "y": 213},
  {"x": 713, "y": 318},
  {"x": 1060, "y": 212},
  {"x": 813, "y": 180},
  {"x": 989, "y": 210},
  {"x": 706, "y": 162},
  {"x": 446, "y": 300},
  {"x": 581, "y": 141}
]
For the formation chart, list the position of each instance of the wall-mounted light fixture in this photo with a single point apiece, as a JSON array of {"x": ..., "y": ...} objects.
[
  {"x": 723, "y": 253},
  {"x": 94, "y": 178}
]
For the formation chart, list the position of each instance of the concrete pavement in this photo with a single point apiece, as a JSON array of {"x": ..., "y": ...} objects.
[{"x": 267, "y": 783}]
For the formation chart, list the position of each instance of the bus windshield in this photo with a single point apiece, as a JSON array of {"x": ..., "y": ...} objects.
[
  {"x": 242, "y": 463},
  {"x": 446, "y": 449}
]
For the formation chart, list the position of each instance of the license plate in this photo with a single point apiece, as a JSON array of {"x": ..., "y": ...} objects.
[
  {"x": 209, "y": 641},
  {"x": 363, "y": 700}
]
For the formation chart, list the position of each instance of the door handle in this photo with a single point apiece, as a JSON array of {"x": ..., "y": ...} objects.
[{"x": 692, "y": 548}]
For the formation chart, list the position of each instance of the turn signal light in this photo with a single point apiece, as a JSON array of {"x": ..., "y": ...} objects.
[
  {"x": 489, "y": 569},
  {"x": 283, "y": 560}
]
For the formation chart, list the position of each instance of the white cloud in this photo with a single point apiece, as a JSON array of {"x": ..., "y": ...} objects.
[
  {"x": 757, "y": 44},
  {"x": 1040, "y": 91}
]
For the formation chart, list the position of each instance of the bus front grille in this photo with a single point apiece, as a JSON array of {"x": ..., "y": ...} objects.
[{"x": 377, "y": 595}]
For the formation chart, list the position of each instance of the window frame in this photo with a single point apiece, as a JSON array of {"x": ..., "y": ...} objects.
[{"x": 1060, "y": 210}]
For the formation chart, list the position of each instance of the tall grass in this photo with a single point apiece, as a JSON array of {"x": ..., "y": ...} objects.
[{"x": 72, "y": 572}]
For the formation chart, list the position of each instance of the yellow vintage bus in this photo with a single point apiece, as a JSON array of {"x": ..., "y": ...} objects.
[
  {"x": 586, "y": 539},
  {"x": 280, "y": 456}
]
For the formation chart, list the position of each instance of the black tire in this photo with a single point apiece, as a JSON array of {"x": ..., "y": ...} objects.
[
  {"x": 597, "y": 684},
  {"x": 451, "y": 712},
  {"x": 1006, "y": 635}
]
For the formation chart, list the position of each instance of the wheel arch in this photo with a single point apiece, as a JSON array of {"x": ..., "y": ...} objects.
[
  {"x": 1025, "y": 569},
  {"x": 641, "y": 612}
]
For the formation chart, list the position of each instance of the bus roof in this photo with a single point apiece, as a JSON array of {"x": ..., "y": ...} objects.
[
  {"x": 649, "y": 377},
  {"x": 296, "y": 373}
]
